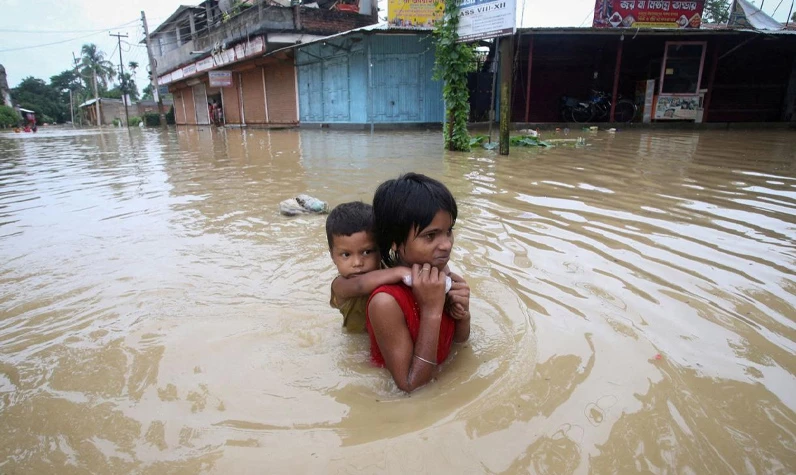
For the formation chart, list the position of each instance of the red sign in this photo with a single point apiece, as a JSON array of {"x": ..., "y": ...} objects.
[{"x": 648, "y": 14}]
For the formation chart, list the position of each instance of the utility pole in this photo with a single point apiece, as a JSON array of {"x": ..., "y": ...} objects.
[
  {"x": 77, "y": 73},
  {"x": 506, "y": 76},
  {"x": 72, "y": 107},
  {"x": 121, "y": 77},
  {"x": 153, "y": 69}
]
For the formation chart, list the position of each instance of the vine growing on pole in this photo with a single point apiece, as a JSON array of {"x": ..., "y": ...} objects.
[{"x": 452, "y": 63}]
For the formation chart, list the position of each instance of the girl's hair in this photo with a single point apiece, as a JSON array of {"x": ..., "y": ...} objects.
[{"x": 408, "y": 202}]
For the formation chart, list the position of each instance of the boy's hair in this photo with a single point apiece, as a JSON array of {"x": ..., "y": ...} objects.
[
  {"x": 347, "y": 219},
  {"x": 405, "y": 203}
]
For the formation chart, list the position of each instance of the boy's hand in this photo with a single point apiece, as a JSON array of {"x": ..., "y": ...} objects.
[{"x": 401, "y": 273}]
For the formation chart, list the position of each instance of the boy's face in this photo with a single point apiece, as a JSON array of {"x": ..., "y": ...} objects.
[{"x": 355, "y": 254}]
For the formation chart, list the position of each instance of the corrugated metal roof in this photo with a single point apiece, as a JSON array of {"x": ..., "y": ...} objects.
[
  {"x": 745, "y": 13},
  {"x": 380, "y": 27},
  {"x": 551, "y": 30},
  {"x": 101, "y": 99}
]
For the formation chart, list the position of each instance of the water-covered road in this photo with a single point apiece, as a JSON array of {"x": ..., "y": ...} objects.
[{"x": 634, "y": 306}]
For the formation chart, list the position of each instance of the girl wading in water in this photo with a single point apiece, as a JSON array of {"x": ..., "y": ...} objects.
[{"x": 411, "y": 329}]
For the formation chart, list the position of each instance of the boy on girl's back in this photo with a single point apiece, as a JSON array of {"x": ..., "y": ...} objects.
[{"x": 349, "y": 231}]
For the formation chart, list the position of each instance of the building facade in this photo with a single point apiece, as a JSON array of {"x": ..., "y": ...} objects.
[
  {"x": 218, "y": 64},
  {"x": 369, "y": 76},
  {"x": 734, "y": 75}
]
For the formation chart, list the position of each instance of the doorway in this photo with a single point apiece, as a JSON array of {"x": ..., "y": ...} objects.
[{"x": 215, "y": 106}]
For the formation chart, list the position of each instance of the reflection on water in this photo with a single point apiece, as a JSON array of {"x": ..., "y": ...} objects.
[{"x": 633, "y": 306}]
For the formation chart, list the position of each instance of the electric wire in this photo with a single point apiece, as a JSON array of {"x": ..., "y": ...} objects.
[{"x": 56, "y": 42}]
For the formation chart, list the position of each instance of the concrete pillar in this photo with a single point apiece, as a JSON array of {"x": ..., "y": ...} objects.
[
  {"x": 193, "y": 25},
  {"x": 789, "y": 112}
]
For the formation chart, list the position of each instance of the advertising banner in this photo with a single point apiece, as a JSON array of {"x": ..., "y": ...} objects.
[
  {"x": 480, "y": 19},
  {"x": 648, "y": 14},
  {"x": 676, "y": 107},
  {"x": 220, "y": 78},
  {"x": 419, "y": 14}
]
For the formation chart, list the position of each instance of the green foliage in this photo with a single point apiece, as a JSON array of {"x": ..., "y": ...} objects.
[
  {"x": 47, "y": 101},
  {"x": 93, "y": 60},
  {"x": 8, "y": 117},
  {"x": 117, "y": 122},
  {"x": 147, "y": 93},
  {"x": 452, "y": 63},
  {"x": 527, "y": 141},
  {"x": 151, "y": 119},
  {"x": 134, "y": 121},
  {"x": 716, "y": 11},
  {"x": 516, "y": 141}
]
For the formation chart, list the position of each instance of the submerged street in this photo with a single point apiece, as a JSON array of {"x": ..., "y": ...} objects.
[{"x": 633, "y": 302}]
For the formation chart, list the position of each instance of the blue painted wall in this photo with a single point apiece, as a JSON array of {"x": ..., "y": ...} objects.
[{"x": 334, "y": 86}]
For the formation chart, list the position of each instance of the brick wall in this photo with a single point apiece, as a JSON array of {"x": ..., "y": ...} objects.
[{"x": 328, "y": 22}]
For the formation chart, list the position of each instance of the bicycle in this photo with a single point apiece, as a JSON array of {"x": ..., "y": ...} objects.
[{"x": 597, "y": 108}]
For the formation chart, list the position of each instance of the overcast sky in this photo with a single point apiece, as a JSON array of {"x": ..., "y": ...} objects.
[{"x": 71, "y": 23}]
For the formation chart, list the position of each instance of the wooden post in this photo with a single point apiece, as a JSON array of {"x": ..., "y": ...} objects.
[
  {"x": 506, "y": 76},
  {"x": 153, "y": 70},
  {"x": 713, "y": 67},
  {"x": 615, "y": 95},
  {"x": 528, "y": 83}
]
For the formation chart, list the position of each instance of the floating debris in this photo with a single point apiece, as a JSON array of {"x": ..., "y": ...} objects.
[{"x": 303, "y": 204}]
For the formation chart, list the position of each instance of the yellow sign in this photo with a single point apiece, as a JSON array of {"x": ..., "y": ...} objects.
[{"x": 419, "y": 14}]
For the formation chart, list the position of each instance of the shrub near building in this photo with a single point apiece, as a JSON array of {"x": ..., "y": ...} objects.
[{"x": 8, "y": 117}]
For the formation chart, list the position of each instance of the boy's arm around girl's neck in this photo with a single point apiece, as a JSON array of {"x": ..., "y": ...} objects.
[{"x": 363, "y": 285}]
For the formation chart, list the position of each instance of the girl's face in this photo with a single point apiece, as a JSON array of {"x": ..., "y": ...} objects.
[{"x": 431, "y": 245}]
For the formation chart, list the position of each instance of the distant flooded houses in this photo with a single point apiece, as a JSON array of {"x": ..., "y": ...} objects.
[{"x": 331, "y": 64}]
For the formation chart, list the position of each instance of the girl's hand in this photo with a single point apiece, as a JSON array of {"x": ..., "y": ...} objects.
[
  {"x": 428, "y": 287},
  {"x": 459, "y": 298}
]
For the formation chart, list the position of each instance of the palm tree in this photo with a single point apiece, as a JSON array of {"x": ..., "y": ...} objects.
[
  {"x": 95, "y": 66},
  {"x": 93, "y": 61}
]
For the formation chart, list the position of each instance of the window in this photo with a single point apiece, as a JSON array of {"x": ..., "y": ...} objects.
[{"x": 682, "y": 67}]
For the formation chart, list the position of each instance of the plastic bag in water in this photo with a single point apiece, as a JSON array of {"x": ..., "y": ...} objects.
[
  {"x": 448, "y": 282},
  {"x": 303, "y": 204}
]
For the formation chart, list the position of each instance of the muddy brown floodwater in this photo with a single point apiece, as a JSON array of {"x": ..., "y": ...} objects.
[{"x": 634, "y": 306}]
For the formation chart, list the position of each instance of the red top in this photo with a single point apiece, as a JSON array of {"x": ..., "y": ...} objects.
[{"x": 406, "y": 300}]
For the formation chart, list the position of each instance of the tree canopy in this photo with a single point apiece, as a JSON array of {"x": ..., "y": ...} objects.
[
  {"x": 37, "y": 95},
  {"x": 93, "y": 61},
  {"x": 717, "y": 11}
]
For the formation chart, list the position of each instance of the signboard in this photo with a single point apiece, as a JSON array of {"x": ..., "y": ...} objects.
[
  {"x": 480, "y": 19},
  {"x": 163, "y": 89},
  {"x": 189, "y": 70},
  {"x": 676, "y": 107},
  {"x": 648, "y": 14},
  {"x": 220, "y": 78},
  {"x": 205, "y": 64},
  {"x": 419, "y": 14},
  {"x": 243, "y": 50}
]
